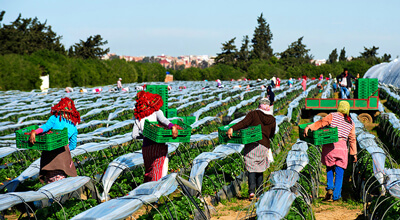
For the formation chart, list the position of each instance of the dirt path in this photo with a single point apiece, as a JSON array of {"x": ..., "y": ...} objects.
[{"x": 336, "y": 212}]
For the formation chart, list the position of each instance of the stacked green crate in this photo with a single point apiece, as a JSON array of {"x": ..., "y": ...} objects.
[
  {"x": 161, "y": 90},
  {"x": 189, "y": 120},
  {"x": 172, "y": 112},
  {"x": 363, "y": 88},
  {"x": 373, "y": 87}
]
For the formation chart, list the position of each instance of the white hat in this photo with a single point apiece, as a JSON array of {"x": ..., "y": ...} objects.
[{"x": 120, "y": 79}]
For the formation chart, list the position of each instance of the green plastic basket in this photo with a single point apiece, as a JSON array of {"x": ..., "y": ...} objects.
[
  {"x": 321, "y": 140},
  {"x": 243, "y": 136},
  {"x": 189, "y": 120},
  {"x": 320, "y": 136},
  {"x": 172, "y": 112},
  {"x": 47, "y": 142},
  {"x": 161, "y": 90},
  {"x": 161, "y": 135}
]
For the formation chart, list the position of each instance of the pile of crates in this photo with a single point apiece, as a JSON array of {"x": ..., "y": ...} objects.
[
  {"x": 161, "y": 90},
  {"x": 244, "y": 136},
  {"x": 367, "y": 87},
  {"x": 319, "y": 137}
]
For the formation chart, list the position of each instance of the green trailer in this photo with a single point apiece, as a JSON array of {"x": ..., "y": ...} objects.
[{"x": 366, "y": 108}]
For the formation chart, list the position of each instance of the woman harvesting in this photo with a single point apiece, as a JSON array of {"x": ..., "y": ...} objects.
[
  {"x": 154, "y": 154},
  {"x": 335, "y": 156},
  {"x": 57, "y": 164},
  {"x": 255, "y": 154}
]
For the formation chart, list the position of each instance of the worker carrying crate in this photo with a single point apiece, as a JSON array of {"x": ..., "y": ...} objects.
[{"x": 334, "y": 153}]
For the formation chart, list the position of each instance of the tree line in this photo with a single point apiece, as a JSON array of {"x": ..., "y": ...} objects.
[{"x": 30, "y": 49}]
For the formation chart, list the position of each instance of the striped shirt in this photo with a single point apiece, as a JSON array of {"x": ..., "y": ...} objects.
[{"x": 344, "y": 127}]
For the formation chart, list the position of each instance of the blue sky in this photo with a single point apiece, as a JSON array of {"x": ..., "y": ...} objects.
[{"x": 181, "y": 27}]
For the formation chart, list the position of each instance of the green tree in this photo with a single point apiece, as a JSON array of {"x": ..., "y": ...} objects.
[
  {"x": 296, "y": 54},
  {"x": 369, "y": 52},
  {"x": 89, "y": 49},
  {"x": 229, "y": 53},
  {"x": 262, "y": 39},
  {"x": 243, "y": 58},
  {"x": 27, "y": 35},
  {"x": 342, "y": 56},
  {"x": 386, "y": 57},
  {"x": 333, "y": 56}
]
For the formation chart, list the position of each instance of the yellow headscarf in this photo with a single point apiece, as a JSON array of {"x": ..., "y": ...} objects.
[{"x": 344, "y": 107}]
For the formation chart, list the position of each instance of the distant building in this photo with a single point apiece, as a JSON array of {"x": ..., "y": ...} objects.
[
  {"x": 164, "y": 63},
  {"x": 319, "y": 62}
]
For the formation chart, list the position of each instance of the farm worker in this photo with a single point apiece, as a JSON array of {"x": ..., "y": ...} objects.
[
  {"x": 97, "y": 90},
  {"x": 278, "y": 82},
  {"x": 57, "y": 164},
  {"x": 154, "y": 154},
  {"x": 68, "y": 89},
  {"x": 271, "y": 98},
  {"x": 321, "y": 77},
  {"x": 334, "y": 84},
  {"x": 304, "y": 83},
  {"x": 330, "y": 76},
  {"x": 335, "y": 156},
  {"x": 256, "y": 153},
  {"x": 119, "y": 84},
  {"x": 290, "y": 83},
  {"x": 344, "y": 80},
  {"x": 218, "y": 83},
  {"x": 273, "y": 81}
]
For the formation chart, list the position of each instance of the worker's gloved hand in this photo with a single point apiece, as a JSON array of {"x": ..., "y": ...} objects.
[
  {"x": 354, "y": 158},
  {"x": 32, "y": 137},
  {"x": 174, "y": 132},
  {"x": 306, "y": 131},
  {"x": 229, "y": 133}
]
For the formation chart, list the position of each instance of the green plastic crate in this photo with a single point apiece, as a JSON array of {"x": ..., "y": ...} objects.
[
  {"x": 172, "y": 112},
  {"x": 161, "y": 135},
  {"x": 243, "y": 136},
  {"x": 323, "y": 132},
  {"x": 47, "y": 142},
  {"x": 161, "y": 90},
  {"x": 321, "y": 140},
  {"x": 320, "y": 136},
  {"x": 189, "y": 120}
]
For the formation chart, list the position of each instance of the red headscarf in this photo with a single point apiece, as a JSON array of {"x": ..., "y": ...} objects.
[
  {"x": 305, "y": 77},
  {"x": 146, "y": 104},
  {"x": 66, "y": 109}
]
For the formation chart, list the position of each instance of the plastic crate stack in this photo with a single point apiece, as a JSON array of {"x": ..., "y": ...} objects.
[
  {"x": 367, "y": 87},
  {"x": 161, "y": 90}
]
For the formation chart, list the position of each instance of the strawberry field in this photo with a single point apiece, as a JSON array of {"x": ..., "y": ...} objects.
[{"x": 202, "y": 173}]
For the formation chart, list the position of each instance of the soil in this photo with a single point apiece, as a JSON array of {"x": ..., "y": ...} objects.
[{"x": 336, "y": 212}]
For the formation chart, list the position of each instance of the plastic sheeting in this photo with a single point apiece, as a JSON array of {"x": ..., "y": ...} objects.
[
  {"x": 49, "y": 191},
  {"x": 201, "y": 162},
  {"x": 388, "y": 73},
  {"x": 327, "y": 91},
  {"x": 275, "y": 204},
  {"x": 123, "y": 207},
  {"x": 33, "y": 170},
  {"x": 127, "y": 161}
]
